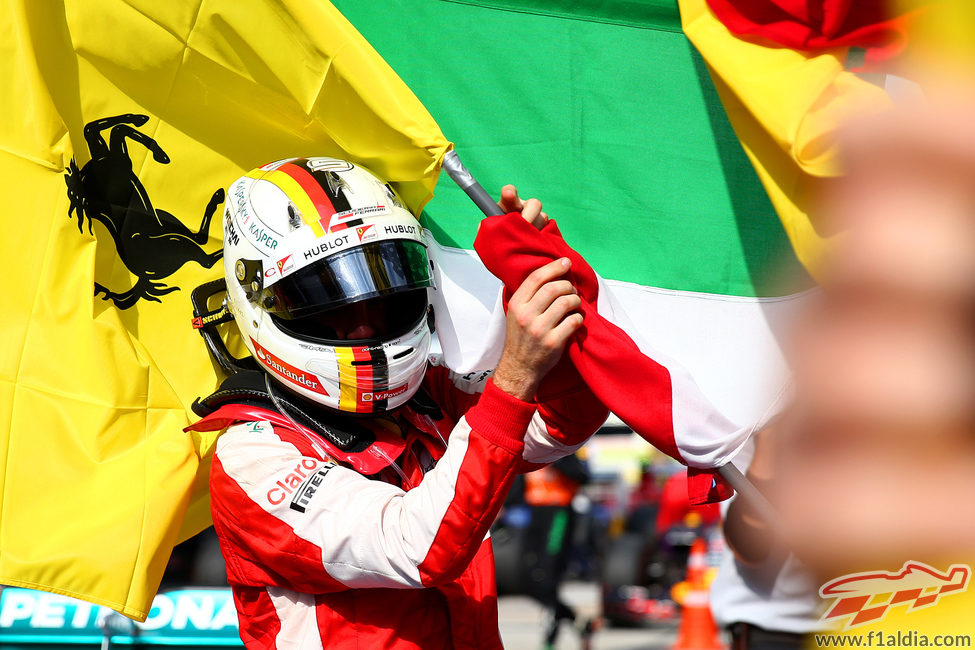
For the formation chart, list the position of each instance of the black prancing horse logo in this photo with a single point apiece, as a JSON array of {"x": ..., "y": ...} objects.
[{"x": 152, "y": 243}]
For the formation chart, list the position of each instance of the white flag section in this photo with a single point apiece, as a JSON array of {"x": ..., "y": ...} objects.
[{"x": 731, "y": 346}]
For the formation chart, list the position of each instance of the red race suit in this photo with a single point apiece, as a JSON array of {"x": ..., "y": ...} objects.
[{"x": 320, "y": 555}]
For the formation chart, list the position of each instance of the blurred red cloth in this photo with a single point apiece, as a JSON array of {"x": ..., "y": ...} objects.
[{"x": 813, "y": 24}]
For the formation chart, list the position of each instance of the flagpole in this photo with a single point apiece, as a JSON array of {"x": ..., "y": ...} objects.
[
  {"x": 456, "y": 170},
  {"x": 746, "y": 490}
]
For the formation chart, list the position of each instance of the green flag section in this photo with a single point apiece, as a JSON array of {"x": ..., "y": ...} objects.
[
  {"x": 603, "y": 110},
  {"x": 606, "y": 112}
]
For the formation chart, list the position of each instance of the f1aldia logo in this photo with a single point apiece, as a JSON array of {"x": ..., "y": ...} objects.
[
  {"x": 152, "y": 243},
  {"x": 866, "y": 597}
]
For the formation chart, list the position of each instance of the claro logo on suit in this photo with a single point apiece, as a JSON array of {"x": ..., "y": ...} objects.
[{"x": 300, "y": 484}]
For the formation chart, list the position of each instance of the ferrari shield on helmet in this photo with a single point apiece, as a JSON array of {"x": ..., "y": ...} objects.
[{"x": 327, "y": 279}]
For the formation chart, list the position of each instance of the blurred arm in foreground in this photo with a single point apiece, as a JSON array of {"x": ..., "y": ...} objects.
[{"x": 881, "y": 433}]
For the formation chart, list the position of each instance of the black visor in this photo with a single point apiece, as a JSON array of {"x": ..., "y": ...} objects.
[
  {"x": 374, "y": 269},
  {"x": 367, "y": 322}
]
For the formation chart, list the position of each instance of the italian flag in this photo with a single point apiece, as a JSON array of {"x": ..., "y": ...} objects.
[{"x": 607, "y": 113}]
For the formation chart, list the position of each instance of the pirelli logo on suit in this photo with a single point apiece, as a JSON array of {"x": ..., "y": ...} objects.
[
  {"x": 308, "y": 489},
  {"x": 300, "y": 485}
]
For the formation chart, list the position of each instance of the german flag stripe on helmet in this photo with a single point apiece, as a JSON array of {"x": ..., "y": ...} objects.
[
  {"x": 348, "y": 399},
  {"x": 300, "y": 187},
  {"x": 316, "y": 191},
  {"x": 306, "y": 192},
  {"x": 331, "y": 184},
  {"x": 365, "y": 382},
  {"x": 379, "y": 367},
  {"x": 370, "y": 368}
]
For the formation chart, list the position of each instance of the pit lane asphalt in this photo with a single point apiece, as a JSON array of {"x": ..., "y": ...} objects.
[{"x": 522, "y": 621}]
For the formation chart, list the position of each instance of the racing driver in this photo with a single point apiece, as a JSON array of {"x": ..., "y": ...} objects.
[{"x": 357, "y": 477}]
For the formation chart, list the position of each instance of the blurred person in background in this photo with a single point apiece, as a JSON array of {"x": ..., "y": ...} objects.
[{"x": 549, "y": 493}]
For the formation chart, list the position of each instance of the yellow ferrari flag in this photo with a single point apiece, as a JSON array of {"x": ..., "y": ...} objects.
[
  {"x": 122, "y": 123},
  {"x": 785, "y": 107}
]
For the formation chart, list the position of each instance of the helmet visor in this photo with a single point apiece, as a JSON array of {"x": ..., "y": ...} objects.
[
  {"x": 368, "y": 322},
  {"x": 374, "y": 269}
]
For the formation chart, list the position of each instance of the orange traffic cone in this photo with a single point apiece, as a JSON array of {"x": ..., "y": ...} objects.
[{"x": 698, "y": 630}]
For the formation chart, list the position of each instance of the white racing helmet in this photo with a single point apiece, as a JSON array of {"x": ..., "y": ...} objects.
[{"x": 327, "y": 277}]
